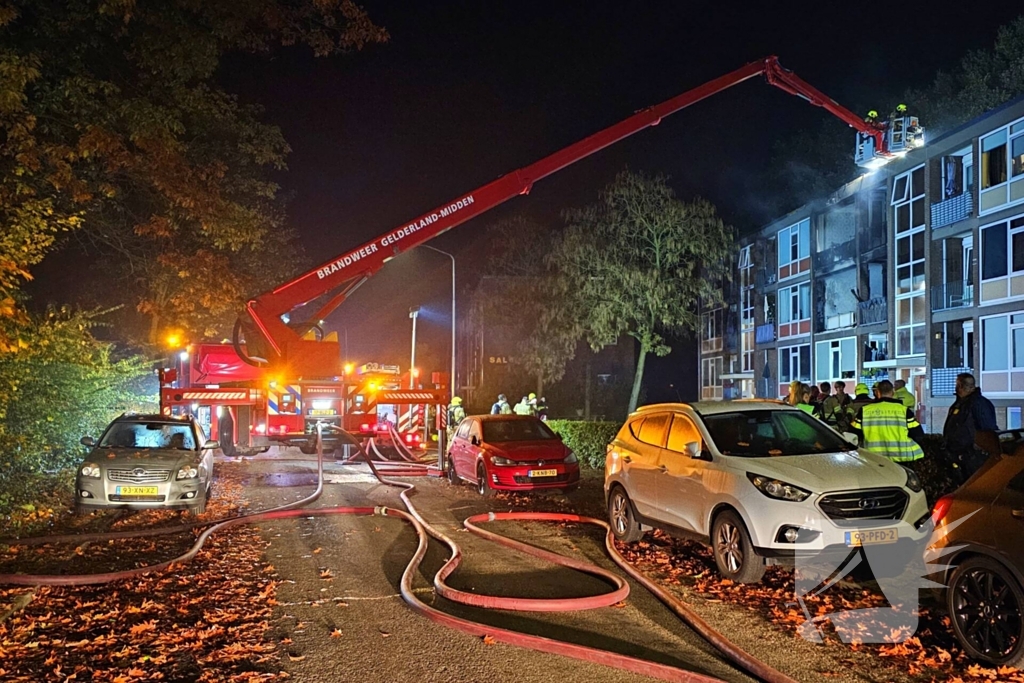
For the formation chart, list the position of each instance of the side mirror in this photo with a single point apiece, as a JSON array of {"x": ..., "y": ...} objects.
[
  {"x": 693, "y": 450},
  {"x": 87, "y": 441},
  {"x": 211, "y": 444},
  {"x": 473, "y": 440},
  {"x": 852, "y": 438}
]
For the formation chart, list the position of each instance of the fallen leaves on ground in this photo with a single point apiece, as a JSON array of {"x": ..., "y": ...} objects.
[
  {"x": 205, "y": 621},
  {"x": 929, "y": 654}
]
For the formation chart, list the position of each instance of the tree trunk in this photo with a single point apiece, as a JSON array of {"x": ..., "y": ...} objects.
[
  {"x": 637, "y": 379},
  {"x": 540, "y": 385},
  {"x": 586, "y": 393},
  {"x": 154, "y": 329}
]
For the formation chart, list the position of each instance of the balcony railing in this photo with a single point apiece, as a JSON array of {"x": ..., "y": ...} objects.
[
  {"x": 828, "y": 258},
  {"x": 951, "y": 210},
  {"x": 764, "y": 334},
  {"x": 873, "y": 311},
  {"x": 944, "y": 380},
  {"x": 952, "y": 295}
]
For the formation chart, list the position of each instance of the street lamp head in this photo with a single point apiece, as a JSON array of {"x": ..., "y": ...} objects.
[{"x": 414, "y": 312}]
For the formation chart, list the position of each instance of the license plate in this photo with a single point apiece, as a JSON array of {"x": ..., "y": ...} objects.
[
  {"x": 137, "y": 490},
  {"x": 543, "y": 473},
  {"x": 871, "y": 537},
  {"x": 326, "y": 411}
]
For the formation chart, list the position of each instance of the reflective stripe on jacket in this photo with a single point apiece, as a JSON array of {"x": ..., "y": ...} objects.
[{"x": 886, "y": 426}]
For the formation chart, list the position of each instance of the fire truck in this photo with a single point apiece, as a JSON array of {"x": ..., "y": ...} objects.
[{"x": 280, "y": 350}]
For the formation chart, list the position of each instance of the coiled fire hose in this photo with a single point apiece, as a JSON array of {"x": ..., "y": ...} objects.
[{"x": 425, "y": 530}]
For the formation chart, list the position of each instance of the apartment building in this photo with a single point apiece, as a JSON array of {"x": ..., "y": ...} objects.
[{"x": 914, "y": 272}]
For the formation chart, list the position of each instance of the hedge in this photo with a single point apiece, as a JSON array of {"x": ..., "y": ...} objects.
[{"x": 588, "y": 440}]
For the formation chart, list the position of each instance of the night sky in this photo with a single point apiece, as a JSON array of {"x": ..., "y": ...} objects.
[{"x": 468, "y": 91}]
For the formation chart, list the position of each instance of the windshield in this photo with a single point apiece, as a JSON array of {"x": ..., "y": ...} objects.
[
  {"x": 171, "y": 435},
  {"x": 498, "y": 431},
  {"x": 763, "y": 433}
]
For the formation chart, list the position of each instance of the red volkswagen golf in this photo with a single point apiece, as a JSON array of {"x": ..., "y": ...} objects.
[{"x": 510, "y": 453}]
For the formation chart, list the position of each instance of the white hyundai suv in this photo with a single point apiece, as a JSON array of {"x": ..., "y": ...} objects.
[{"x": 758, "y": 481}]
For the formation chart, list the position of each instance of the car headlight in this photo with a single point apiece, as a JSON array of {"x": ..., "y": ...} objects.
[
  {"x": 188, "y": 472},
  {"x": 90, "y": 470},
  {"x": 498, "y": 460},
  {"x": 570, "y": 458},
  {"x": 913, "y": 481},
  {"x": 780, "y": 490}
]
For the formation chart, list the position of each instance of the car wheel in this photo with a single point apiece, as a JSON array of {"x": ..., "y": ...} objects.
[
  {"x": 621, "y": 517},
  {"x": 453, "y": 477},
  {"x": 985, "y": 603},
  {"x": 482, "y": 487},
  {"x": 734, "y": 553}
]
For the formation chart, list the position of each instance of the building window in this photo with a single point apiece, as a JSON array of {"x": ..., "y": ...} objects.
[
  {"x": 911, "y": 311},
  {"x": 1002, "y": 167},
  {"x": 835, "y": 359},
  {"x": 1002, "y": 354},
  {"x": 711, "y": 379},
  {"x": 746, "y": 268},
  {"x": 794, "y": 365},
  {"x": 795, "y": 310},
  {"x": 1002, "y": 260},
  {"x": 795, "y": 249},
  {"x": 711, "y": 329},
  {"x": 1013, "y": 417}
]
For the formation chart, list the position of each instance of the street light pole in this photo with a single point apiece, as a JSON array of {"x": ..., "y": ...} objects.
[
  {"x": 413, "y": 313},
  {"x": 453, "y": 383}
]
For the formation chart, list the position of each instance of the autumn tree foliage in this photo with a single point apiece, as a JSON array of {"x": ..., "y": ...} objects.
[
  {"x": 638, "y": 261},
  {"x": 114, "y": 127}
]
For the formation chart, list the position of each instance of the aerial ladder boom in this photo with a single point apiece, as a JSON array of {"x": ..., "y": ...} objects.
[{"x": 271, "y": 338}]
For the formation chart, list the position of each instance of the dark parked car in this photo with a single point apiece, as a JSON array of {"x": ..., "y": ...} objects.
[
  {"x": 984, "y": 521},
  {"x": 146, "y": 461},
  {"x": 510, "y": 453}
]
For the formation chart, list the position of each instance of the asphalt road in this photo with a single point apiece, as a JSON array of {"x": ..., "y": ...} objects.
[{"x": 351, "y": 624}]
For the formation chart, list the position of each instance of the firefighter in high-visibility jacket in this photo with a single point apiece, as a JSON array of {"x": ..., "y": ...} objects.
[{"x": 888, "y": 427}]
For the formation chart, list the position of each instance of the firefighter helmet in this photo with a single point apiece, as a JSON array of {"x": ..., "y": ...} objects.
[
  {"x": 901, "y": 109},
  {"x": 872, "y": 114},
  {"x": 861, "y": 389},
  {"x": 532, "y": 395},
  {"x": 456, "y": 401}
]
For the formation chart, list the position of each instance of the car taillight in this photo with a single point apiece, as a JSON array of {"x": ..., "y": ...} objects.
[
  {"x": 261, "y": 429},
  {"x": 409, "y": 438},
  {"x": 365, "y": 427},
  {"x": 941, "y": 509}
]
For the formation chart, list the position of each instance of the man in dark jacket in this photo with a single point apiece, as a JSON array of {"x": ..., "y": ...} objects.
[{"x": 970, "y": 415}]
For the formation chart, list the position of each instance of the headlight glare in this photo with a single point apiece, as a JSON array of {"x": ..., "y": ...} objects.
[
  {"x": 90, "y": 470},
  {"x": 188, "y": 472},
  {"x": 913, "y": 481},
  {"x": 774, "y": 488}
]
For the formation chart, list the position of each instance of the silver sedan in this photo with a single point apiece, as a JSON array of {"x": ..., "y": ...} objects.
[{"x": 147, "y": 461}]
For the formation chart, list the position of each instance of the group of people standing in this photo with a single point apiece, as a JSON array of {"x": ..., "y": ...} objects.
[
  {"x": 886, "y": 422},
  {"x": 528, "y": 405}
]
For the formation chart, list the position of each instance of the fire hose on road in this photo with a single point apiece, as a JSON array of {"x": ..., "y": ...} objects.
[{"x": 424, "y": 531}]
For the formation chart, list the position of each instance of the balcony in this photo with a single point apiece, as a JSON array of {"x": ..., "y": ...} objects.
[
  {"x": 764, "y": 334},
  {"x": 952, "y": 295},
  {"x": 827, "y": 259},
  {"x": 873, "y": 311},
  {"x": 944, "y": 380},
  {"x": 949, "y": 211}
]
